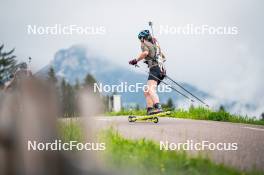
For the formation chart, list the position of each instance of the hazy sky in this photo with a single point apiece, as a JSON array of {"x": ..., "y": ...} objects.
[{"x": 227, "y": 66}]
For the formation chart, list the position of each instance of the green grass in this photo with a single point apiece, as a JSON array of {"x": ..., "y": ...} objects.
[
  {"x": 70, "y": 131},
  {"x": 198, "y": 113},
  {"x": 144, "y": 157}
]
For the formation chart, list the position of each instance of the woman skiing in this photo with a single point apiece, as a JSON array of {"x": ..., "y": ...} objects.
[{"x": 149, "y": 54}]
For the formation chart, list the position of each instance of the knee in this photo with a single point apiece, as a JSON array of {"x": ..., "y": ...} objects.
[
  {"x": 146, "y": 93},
  {"x": 151, "y": 91}
]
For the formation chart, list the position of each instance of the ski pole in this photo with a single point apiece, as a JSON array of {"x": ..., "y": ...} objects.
[
  {"x": 187, "y": 91},
  {"x": 167, "y": 85}
]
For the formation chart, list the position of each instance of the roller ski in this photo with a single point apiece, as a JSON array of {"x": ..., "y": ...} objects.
[{"x": 148, "y": 118}]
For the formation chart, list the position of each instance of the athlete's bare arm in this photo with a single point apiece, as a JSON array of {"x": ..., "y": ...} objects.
[{"x": 143, "y": 55}]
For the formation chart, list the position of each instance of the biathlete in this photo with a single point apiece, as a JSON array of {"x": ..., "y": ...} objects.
[{"x": 149, "y": 52}]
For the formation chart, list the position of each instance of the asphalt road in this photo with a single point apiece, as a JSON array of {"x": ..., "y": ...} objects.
[{"x": 249, "y": 138}]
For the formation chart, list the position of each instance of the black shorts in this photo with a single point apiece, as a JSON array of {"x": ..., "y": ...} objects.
[{"x": 155, "y": 74}]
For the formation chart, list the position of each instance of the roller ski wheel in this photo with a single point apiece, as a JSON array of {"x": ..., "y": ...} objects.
[
  {"x": 155, "y": 119},
  {"x": 131, "y": 118}
]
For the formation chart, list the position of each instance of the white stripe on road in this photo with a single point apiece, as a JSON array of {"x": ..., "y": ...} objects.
[{"x": 257, "y": 129}]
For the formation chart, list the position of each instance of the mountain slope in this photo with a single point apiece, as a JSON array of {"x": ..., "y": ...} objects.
[{"x": 75, "y": 63}]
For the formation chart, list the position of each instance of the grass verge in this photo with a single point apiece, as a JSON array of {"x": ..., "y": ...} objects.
[
  {"x": 70, "y": 130},
  {"x": 144, "y": 157}
]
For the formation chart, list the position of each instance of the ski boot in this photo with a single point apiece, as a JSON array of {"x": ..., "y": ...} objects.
[
  {"x": 157, "y": 109},
  {"x": 150, "y": 110}
]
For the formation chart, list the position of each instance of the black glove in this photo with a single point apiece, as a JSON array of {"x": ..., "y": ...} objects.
[{"x": 133, "y": 62}]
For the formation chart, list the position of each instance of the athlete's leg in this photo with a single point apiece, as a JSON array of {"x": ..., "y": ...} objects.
[
  {"x": 148, "y": 99},
  {"x": 152, "y": 90},
  {"x": 153, "y": 84}
]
